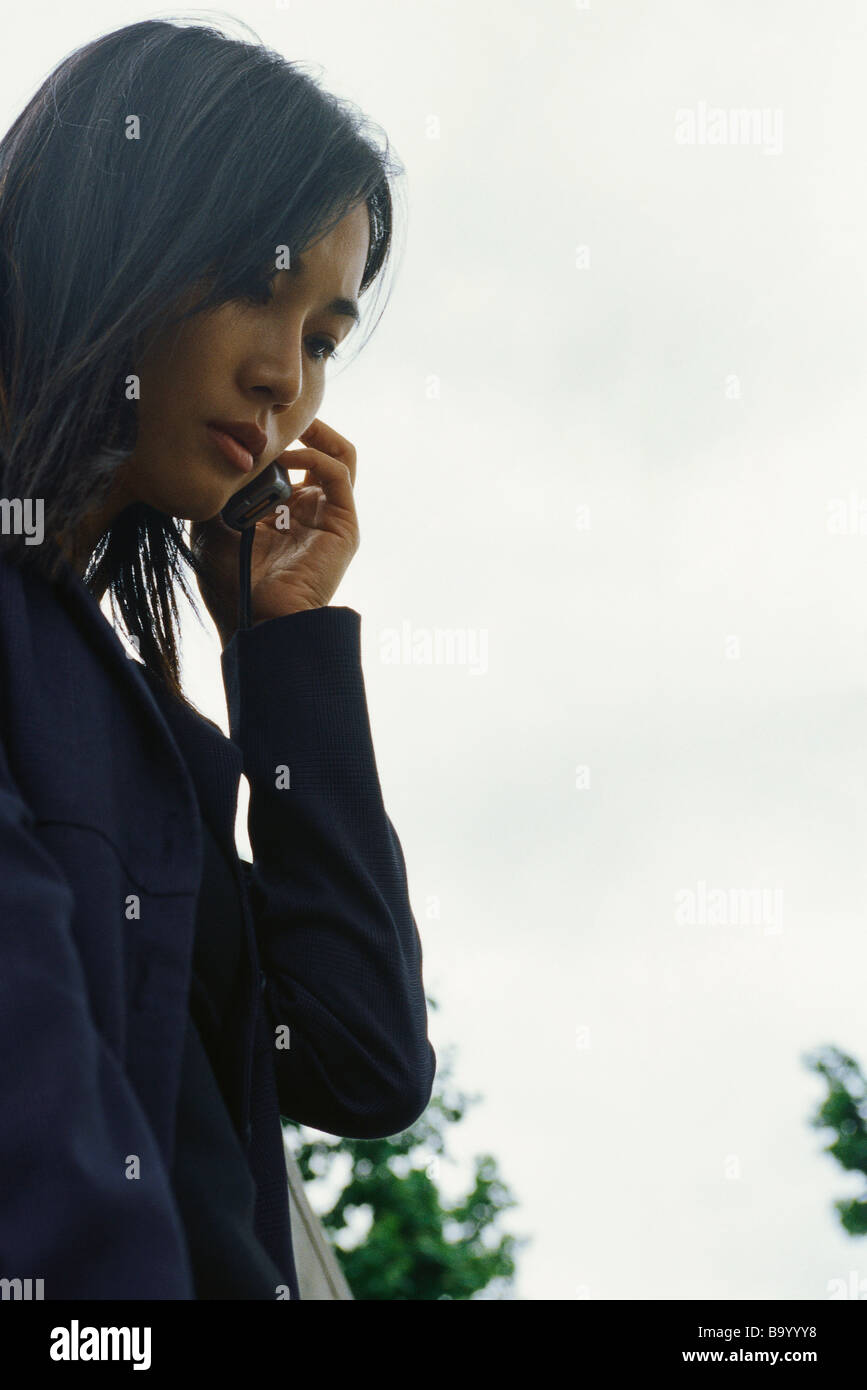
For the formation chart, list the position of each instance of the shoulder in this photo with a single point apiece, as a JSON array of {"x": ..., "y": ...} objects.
[
  {"x": 180, "y": 714},
  {"x": 24, "y": 583},
  {"x": 20, "y": 589}
]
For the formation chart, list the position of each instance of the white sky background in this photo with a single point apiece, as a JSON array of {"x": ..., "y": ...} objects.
[{"x": 700, "y": 387}]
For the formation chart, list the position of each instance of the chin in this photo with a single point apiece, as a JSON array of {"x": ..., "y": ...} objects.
[{"x": 202, "y": 505}]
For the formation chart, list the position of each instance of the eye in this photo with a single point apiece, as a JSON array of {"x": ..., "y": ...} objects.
[
  {"x": 261, "y": 291},
  {"x": 327, "y": 349}
]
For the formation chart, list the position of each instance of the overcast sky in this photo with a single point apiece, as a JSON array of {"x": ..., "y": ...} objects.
[{"x": 611, "y": 429}]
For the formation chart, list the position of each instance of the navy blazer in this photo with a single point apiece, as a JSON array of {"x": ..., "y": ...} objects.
[{"x": 101, "y": 777}]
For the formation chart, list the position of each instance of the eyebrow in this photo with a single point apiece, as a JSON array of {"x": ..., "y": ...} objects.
[{"x": 345, "y": 308}]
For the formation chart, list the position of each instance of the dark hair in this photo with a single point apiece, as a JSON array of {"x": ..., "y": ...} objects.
[{"x": 240, "y": 152}]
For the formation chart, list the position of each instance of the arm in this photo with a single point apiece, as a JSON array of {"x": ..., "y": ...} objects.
[
  {"x": 68, "y": 1116},
  {"x": 338, "y": 942}
]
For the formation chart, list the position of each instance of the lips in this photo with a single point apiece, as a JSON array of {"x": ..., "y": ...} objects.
[{"x": 239, "y": 441}]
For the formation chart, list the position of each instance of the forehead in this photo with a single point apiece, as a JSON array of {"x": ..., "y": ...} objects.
[{"x": 343, "y": 251}]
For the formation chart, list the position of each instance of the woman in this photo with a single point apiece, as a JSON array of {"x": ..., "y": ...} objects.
[{"x": 186, "y": 225}]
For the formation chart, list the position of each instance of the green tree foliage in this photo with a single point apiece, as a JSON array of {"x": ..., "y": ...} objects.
[
  {"x": 417, "y": 1247},
  {"x": 845, "y": 1111}
]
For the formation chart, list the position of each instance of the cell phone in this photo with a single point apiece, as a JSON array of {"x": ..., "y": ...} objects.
[
  {"x": 257, "y": 499},
  {"x": 241, "y": 512}
]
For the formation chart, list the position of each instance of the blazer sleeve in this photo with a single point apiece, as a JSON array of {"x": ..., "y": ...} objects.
[
  {"x": 339, "y": 946},
  {"x": 69, "y": 1214}
]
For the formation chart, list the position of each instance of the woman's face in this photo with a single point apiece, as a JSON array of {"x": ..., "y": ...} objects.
[{"x": 261, "y": 364}]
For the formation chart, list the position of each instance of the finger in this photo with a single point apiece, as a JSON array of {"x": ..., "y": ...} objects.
[
  {"x": 330, "y": 474},
  {"x": 321, "y": 436}
]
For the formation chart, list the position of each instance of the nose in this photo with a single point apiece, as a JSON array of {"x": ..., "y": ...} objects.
[{"x": 276, "y": 375}]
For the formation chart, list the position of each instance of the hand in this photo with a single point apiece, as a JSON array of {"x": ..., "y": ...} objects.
[{"x": 291, "y": 568}]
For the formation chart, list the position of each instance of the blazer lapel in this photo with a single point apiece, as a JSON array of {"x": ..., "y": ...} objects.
[
  {"x": 215, "y": 763},
  {"x": 210, "y": 760}
]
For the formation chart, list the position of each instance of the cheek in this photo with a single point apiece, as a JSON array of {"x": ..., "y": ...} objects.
[
  {"x": 179, "y": 355},
  {"x": 313, "y": 394},
  {"x": 162, "y": 371}
]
